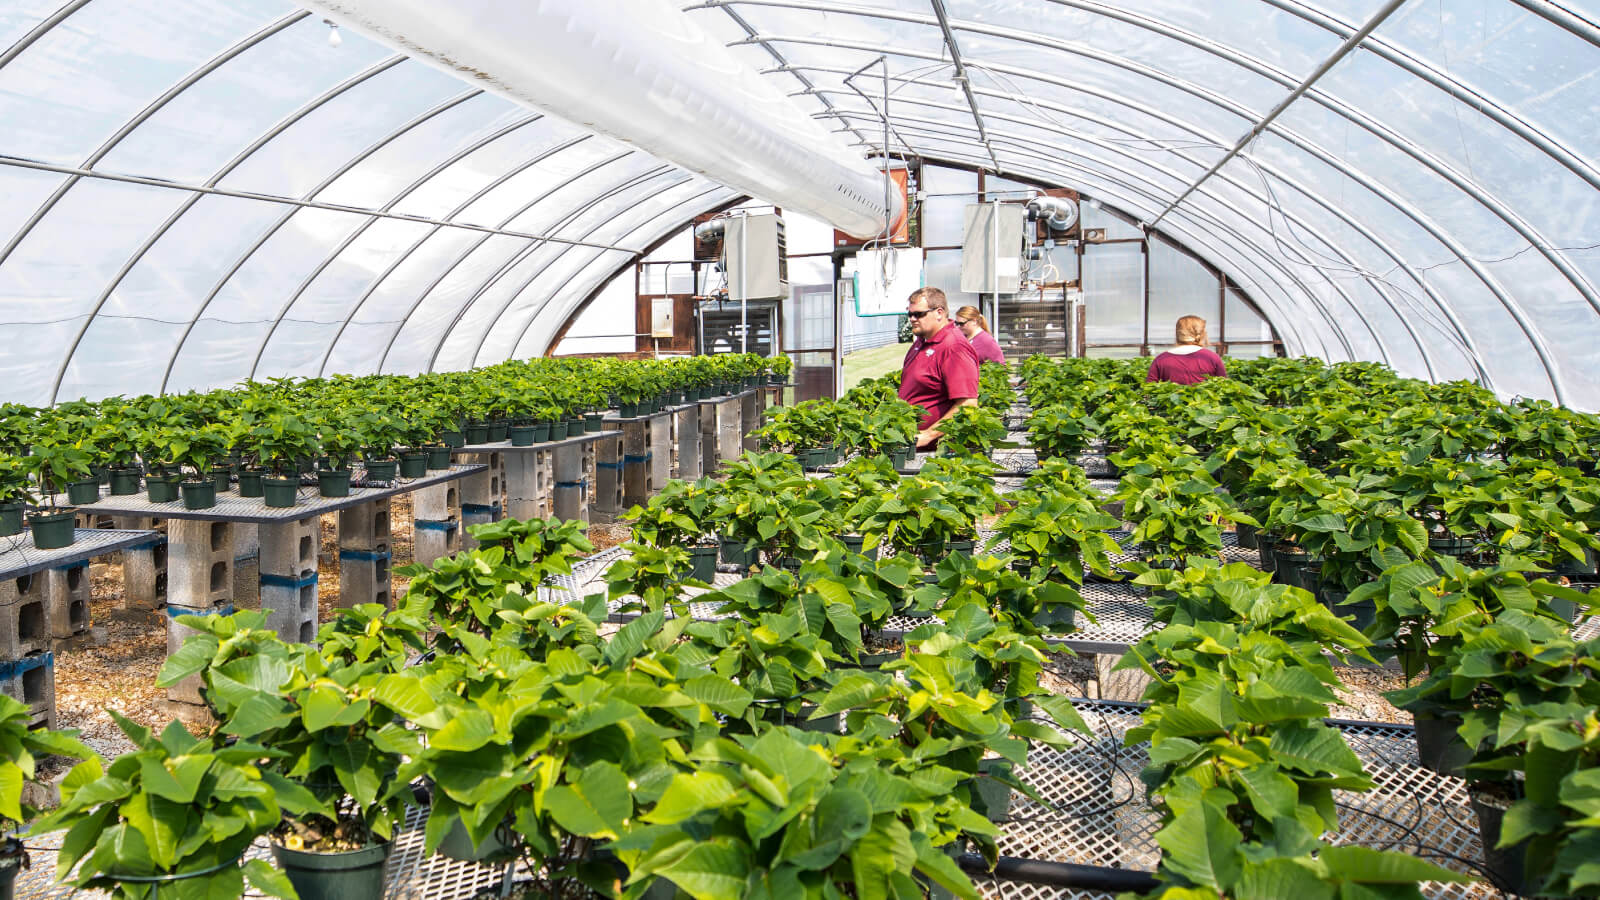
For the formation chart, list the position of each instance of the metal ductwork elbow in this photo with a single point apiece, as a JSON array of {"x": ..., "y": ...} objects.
[{"x": 1058, "y": 213}]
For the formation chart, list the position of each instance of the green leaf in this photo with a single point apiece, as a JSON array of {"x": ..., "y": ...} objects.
[
  {"x": 719, "y": 693},
  {"x": 715, "y": 869},
  {"x": 1313, "y": 749},
  {"x": 690, "y": 794},
  {"x": 1201, "y": 845},
  {"x": 269, "y": 880},
  {"x": 469, "y": 729},
  {"x": 1281, "y": 879},
  {"x": 1367, "y": 866},
  {"x": 598, "y": 805}
]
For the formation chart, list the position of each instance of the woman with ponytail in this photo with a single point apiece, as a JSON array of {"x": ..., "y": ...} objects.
[
  {"x": 1189, "y": 362},
  {"x": 976, "y": 328}
]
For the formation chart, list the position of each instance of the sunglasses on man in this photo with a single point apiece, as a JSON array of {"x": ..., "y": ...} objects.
[{"x": 918, "y": 314}]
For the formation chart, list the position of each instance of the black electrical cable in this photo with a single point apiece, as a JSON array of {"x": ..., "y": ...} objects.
[{"x": 1059, "y": 874}]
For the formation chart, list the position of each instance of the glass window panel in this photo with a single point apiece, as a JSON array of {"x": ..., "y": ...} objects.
[
  {"x": 460, "y": 180},
  {"x": 127, "y": 345},
  {"x": 807, "y": 316},
  {"x": 214, "y": 119},
  {"x": 949, "y": 192},
  {"x": 1180, "y": 285},
  {"x": 381, "y": 177},
  {"x": 79, "y": 82},
  {"x": 298, "y": 345},
  {"x": 304, "y": 155},
  {"x": 51, "y": 281},
  {"x": 1113, "y": 293}
]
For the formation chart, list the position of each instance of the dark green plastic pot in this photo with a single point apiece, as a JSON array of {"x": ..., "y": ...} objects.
[
  {"x": 382, "y": 469},
  {"x": 900, "y": 455},
  {"x": 83, "y": 493},
  {"x": 523, "y": 435},
  {"x": 280, "y": 493},
  {"x": 10, "y": 519},
  {"x": 541, "y": 432},
  {"x": 124, "y": 482},
  {"x": 1451, "y": 545},
  {"x": 1360, "y": 614},
  {"x": 1247, "y": 537},
  {"x": 499, "y": 431},
  {"x": 628, "y": 410},
  {"x": 13, "y": 859},
  {"x": 704, "y": 560},
  {"x": 356, "y": 875},
  {"x": 1507, "y": 865},
  {"x": 250, "y": 482},
  {"x": 453, "y": 439},
  {"x": 52, "y": 531},
  {"x": 558, "y": 431},
  {"x": 1440, "y": 747},
  {"x": 161, "y": 488},
  {"x": 477, "y": 434},
  {"x": 222, "y": 478},
  {"x": 199, "y": 494},
  {"x": 803, "y": 721},
  {"x": 735, "y": 554},
  {"x": 415, "y": 463},
  {"x": 438, "y": 458},
  {"x": 811, "y": 457},
  {"x": 334, "y": 482},
  {"x": 593, "y": 422}
]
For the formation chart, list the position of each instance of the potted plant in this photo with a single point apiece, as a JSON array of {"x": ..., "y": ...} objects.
[
  {"x": 282, "y": 441},
  {"x": 340, "y": 442},
  {"x": 24, "y": 747},
  {"x": 14, "y": 494},
  {"x": 197, "y": 450},
  {"x": 53, "y": 465},
  {"x": 779, "y": 366},
  {"x": 681, "y": 515},
  {"x": 214, "y": 801},
  {"x": 381, "y": 434},
  {"x": 971, "y": 431}
]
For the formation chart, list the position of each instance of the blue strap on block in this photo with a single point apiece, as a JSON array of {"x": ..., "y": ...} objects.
[
  {"x": 431, "y": 525},
  {"x": 613, "y": 466},
  {"x": 366, "y": 555},
  {"x": 288, "y": 581},
  {"x": 480, "y": 508},
  {"x": 151, "y": 544},
  {"x": 15, "y": 667},
  {"x": 174, "y": 612},
  {"x": 631, "y": 458}
]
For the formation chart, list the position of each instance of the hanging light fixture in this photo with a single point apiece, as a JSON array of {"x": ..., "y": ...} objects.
[{"x": 334, "y": 38}]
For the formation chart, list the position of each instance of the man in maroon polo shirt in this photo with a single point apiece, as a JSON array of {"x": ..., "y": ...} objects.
[{"x": 940, "y": 373}]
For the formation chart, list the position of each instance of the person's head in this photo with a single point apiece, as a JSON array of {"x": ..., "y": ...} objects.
[
  {"x": 929, "y": 311},
  {"x": 1192, "y": 330},
  {"x": 970, "y": 321}
]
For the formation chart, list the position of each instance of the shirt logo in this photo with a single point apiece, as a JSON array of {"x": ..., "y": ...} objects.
[{"x": 928, "y": 352}]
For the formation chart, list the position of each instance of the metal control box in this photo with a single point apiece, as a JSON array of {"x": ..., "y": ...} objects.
[
  {"x": 991, "y": 248},
  {"x": 756, "y": 258}
]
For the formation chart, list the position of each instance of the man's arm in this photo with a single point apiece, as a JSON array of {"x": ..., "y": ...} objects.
[{"x": 932, "y": 433}]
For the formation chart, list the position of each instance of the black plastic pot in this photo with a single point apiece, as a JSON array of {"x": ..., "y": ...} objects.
[
  {"x": 704, "y": 560},
  {"x": 1288, "y": 565},
  {"x": 457, "y": 844},
  {"x": 161, "y": 488},
  {"x": 1247, "y": 536},
  {"x": 334, "y": 482},
  {"x": 10, "y": 519},
  {"x": 52, "y": 531},
  {"x": 735, "y": 554},
  {"x": 1440, "y": 747},
  {"x": 124, "y": 482},
  {"x": 811, "y": 457},
  {"x": 83, "y": 493},
  {"x": 1361, "y": 614},
  {"x": 415, "y": 463},
  {"x": 523, "y": 436},
  {"x": 1507, "y": 865},
  {"x": 356, "y": 875},
  {"x": 499, "y": 431},
  {"x": 250, "y": 482},
  {"x": 1265, "y": 541},
  {"x": 992, "y": 798},
  {"x": 199, "y": 494},
  {"x": 803, "y": 721},
  {"x": 13, "y": 859},
  {"x": 1451, "y": 545},
  {"x": 855, "y": 542},
  {"x": 438, "y": 458},
  {"x": 381, "y": 469},
  {"x": 477, "y": 434},
  {"x": 1569, "y": 566},
  {"x": 628, "y": 410},
  {"x": 453, "y": 439},
  {"x": 1060, "y": 614},
  {"x": 900, "y": 455},
  {"x": 280, "y": 493}
]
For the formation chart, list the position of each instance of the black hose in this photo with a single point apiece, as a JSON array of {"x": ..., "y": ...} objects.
[{"x": 1060, "y": 874}]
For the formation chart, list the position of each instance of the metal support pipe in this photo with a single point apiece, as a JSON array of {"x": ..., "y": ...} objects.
[
  {"x": 1350, "y": 43},
  {"x": 961, "y": 77}
]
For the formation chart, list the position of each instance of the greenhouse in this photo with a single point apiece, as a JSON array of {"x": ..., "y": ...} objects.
[{"x": 772, "y": 449}]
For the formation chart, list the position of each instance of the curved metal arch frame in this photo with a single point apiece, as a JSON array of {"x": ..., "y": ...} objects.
[
  {"x": 652, "y": 236},
  {"x": 1428, "y": 160},
  {"x": 266, "y": 235},
  {"x": 1266, "y": 259},
  {"x": 483, "y": 192},
  {"x": 356, "y": 233},
  {"x": 1510, "y": 305},
  {"x": 1383, "y": 246},
  {"x": 511, "y": 299},
  {"x": 238, "y": 159},
  {"x": 635, "y": 182},
  {"x": 1377, "y": 339}
]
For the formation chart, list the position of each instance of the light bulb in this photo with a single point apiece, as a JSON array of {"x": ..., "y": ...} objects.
[
  {"x": 334, "y": 38},
  {"x": 1093, "y": 203}
]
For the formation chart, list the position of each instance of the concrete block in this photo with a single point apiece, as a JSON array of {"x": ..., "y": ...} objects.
[
  {"x": 686, "y": 444},
  {"x": 436, "y": 522},
  {"x": 365, "y": 555},
  {"x": 749, "y": 418},
  {"x": 31, "y": 680},
  {"x": 187, "y": 691},
  {"x": 67, "y": 600},
  {"x": 527, "y": 485},
  {"x": 199, "y": 563},
  {"x": 24, "y": 616},
  {"x": 288, "y": 577},
  {"x": 607, "y": 485}
]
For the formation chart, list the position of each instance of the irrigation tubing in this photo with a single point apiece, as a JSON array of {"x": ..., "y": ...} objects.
[{"x": 1060, "y": 874}]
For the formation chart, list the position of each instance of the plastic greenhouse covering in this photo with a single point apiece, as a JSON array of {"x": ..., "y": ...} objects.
[{"x": 199, "y": 192}]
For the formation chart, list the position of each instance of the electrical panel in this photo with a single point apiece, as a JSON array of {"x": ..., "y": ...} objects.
[
  {"x": 991, "y": 248},
  {"x": 756, "y": 258}
]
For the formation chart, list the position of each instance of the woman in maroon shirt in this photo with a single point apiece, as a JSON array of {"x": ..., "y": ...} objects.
[
  {"x": 976, "y": 328},
  {"x": 1189, "y": 362}
]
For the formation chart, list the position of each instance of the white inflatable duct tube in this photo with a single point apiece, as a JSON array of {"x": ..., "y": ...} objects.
[{"x": 643, "y": 72}]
